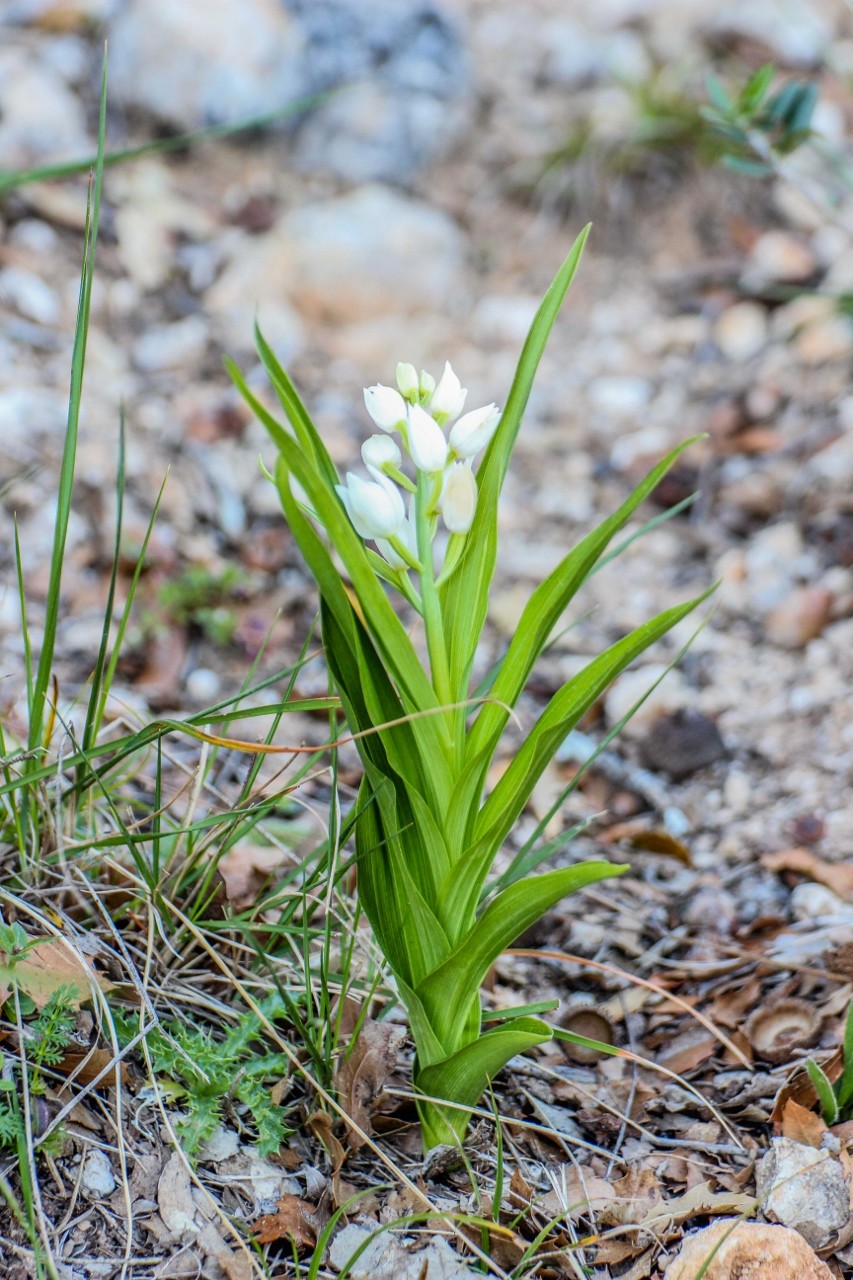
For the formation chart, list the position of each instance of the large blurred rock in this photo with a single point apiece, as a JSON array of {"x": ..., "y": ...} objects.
[
  {"x": 192, "y": 64},
  {"x": 398, "y": 68},
  {"x": 409, "y": 92},
  {"x": 354, "y": 258},
  {"x": 40, "y": 117}
]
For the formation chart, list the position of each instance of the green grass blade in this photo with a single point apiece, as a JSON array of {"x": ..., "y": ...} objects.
[
  {"x": 11, "y": 179},
  {"x": 69, "y": 453}
]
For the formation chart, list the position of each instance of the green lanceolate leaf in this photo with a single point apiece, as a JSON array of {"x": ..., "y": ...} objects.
[
  {"x": 465, "y": 1075},
  {"x": 408, "y": 932},
  {"x": 297, "y": 414},
  {"x": 513, "y": 789},
  {"x": 824, "y": 1090},
  {"x": 543, "y": 611},
  {"x": 447, "y": 990},
  {"x": 465, "y": 597}
]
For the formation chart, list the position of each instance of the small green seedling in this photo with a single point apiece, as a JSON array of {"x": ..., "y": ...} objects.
[{"x": 836, "y": 1100}]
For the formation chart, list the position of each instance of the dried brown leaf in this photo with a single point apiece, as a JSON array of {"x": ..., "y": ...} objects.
[
  {"x": 246, "y": 869},
  {"x": 837, "y": 876},
  {"x": 49, "y": 965},
  {"x": 294, "y": 1219},
  {"x": 801, "y": 1125},
  {"x": 361, "y": 1076}
]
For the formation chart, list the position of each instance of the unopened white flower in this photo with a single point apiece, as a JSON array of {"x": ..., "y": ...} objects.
[
  {"x": 474, "y": 430},
  {"x": 407, "y": 380},
  {"x": 374, "y": 506},
  {"x": 458, "y": 497},
  {"x": 427, "y": 444},
  {"x": 386, "y": 406},
  {"x": 448, "y": 399},
  {"x": 426, "y": 384},
  {"x": 379, "y": 452}
]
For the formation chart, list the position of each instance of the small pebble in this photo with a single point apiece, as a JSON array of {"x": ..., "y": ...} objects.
[
  {"x": 799, "y": 617},
  {"x": 781, "y": 258},
  {"x": 98, "y": 1177},
  {"x": 29, "y": 295},
  {"x": 741, "y": 331},
  {"x": 803, "y": 1188},
  {"x": 203, "y": 685}
]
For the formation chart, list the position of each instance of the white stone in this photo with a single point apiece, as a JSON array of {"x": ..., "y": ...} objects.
[
  {"x": 619, "y": 395},
  {"x": 804, "y": 1188},
  {"x": 368, "y": 254},
  {"x": 197, "y": 64},
  {"x": 203, "y": 686},
  {"x": 812, "y": 901},
  {"x": 30, "y": 296},
  {"x": 741, "y": 330},
  {"x": 671, "y": 694},
  {"x": 40, "y": 118},
  {"x": 98, "y": 1177},
  {"x": 180, "y": 345},
  {"x": 779, "y": 256},
  {"x": 796, "y": 31}
]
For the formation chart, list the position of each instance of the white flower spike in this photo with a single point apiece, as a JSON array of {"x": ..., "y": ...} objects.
[
  {"x": 380, "y": 452},
  {"x": 426, "y": 441},
  {"x": 474, "y": 430},
  {"x": 375, "y": 507},
  {"x": 448, "y": 399},
  {"x": 458, "y": 497},
  {"x": 386, "y": 407}
]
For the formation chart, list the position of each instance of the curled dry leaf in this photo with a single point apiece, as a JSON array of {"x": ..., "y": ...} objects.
[
  {"x": 294, "y": 1219},
  {"x": 246, "y": 869},
  {"x": 361, "y": 1076},
  {"x": 775, "y": 1030},
  {"x": 801, "y": 1125},
  {"x": 837, "y": 876},
  {"x": 48, "y": 965}
]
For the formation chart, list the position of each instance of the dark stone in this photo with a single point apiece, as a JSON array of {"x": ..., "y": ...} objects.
[{"x": 682, "y": 742}]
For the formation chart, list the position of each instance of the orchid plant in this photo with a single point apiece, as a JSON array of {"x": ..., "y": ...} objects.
[{"x": 427, "y": 827}]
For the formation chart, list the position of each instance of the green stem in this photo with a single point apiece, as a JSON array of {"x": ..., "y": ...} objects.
[{"x": 433, "y": 624}]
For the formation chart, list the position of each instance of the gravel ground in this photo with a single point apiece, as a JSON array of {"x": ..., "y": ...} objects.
[{"x": 703, "y": 305}]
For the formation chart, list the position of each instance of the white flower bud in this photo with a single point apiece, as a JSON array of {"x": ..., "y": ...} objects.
[
  {"x": 458, "y": 497},
  {"x": 407, "y": 380},
  {"x": 375, "y": 508},
  {"x": 379, "y": 452},
  {"x": 448, "y": 399},
  {"x": 386, "y": 406},
  {"x": 427, "y": 444},
  {"x": 474, "y": 430},
  {"x": 426, "y": 384}
]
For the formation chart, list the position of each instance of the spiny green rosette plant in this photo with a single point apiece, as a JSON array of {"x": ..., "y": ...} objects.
[{"x": 427, "y": 834}]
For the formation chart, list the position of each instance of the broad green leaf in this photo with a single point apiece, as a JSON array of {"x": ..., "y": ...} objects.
[
  {"x": 513, "y": 789},
  {"x": 465, "y": 596},
  {"x": 409, "y": 934},
  {"x": 446, "y": 991},
  {"x": 464, "y": 1076}
]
